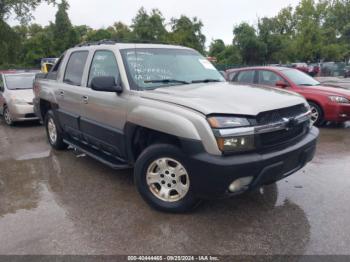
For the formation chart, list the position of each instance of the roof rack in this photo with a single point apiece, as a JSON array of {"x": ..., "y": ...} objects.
[
  {"x": 101, "y": 42},
  {"x": 113, "y": 42}
]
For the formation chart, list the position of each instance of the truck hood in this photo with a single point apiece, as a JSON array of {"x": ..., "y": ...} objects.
[
  {"x": 225, "y": 98},
  {"x": 25, "y": 94}
]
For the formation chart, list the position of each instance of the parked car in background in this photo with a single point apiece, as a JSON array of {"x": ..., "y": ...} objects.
[
  {"x": 166, "y": 111},
  {"x": 314, "y": 69},
  {"x": 16, "y": 96},
  {"x": 303, "y": 67},
  {"x": 327, "y": 103},
  {"x": 332, "y": 69},
  {"x": 347, "y": 72}
]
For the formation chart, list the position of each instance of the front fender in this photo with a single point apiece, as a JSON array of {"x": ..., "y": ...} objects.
[{"x": 163, "y": 121}]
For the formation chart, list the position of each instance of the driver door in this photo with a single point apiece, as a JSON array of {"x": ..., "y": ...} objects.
[{"x": 104, "y": 113}]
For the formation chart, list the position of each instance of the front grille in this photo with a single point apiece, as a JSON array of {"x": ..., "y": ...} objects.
[
  {"x": 274, "y": 116},
  {"x": 285, "y": 136}
]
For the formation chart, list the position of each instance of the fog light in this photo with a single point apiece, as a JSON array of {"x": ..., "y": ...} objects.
[{"x": 240, "y": 184}]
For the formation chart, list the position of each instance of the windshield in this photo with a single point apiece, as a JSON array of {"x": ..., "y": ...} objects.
[
  {"x": 19, "y": 82},
  {"x": 150, "y": 68},
  {"x": 299, "y": 78}
]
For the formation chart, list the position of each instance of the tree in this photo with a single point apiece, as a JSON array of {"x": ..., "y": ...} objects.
[
  {"x": 9, "y": 45},
  {"x": 121, "y": 32},
  {"x": 100, "y": 34},
  {"x": 253, "y": 51},
  {"x": 64, "y": 34},
  {"x": 188, "y": 32},
  {"x": 22, "y": 9},
  {"x": 225, "y": 55},
  {"x": 149, "y": 27}
]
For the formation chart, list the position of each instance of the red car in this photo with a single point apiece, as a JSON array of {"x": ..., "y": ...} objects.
[{"x": 327, "y": 103}]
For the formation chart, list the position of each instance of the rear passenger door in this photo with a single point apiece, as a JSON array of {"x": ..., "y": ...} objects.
[
  {"x": 104, "y": 113},
  {"x": 71, "y": 93}
]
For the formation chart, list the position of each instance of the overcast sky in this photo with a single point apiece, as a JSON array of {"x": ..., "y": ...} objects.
[{"x": 218, "y": 16}]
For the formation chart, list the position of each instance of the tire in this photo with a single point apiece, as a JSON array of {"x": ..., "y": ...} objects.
[
  {"x": 54, "y": 132},
  {"x": 316, "y": 114},
  {"x": 162, "y": 160},
  {"x": 7, "y": 116}
]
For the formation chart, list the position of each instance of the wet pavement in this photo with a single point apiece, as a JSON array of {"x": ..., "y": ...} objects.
[{"x": 56, "y": 203}]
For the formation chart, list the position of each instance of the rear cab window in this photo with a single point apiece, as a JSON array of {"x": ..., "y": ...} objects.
[{"x": 75, "y": 68}]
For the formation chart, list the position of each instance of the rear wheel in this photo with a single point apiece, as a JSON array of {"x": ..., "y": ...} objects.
[
  {"x": 316, "y": 114},
  {"x": 53, "y": 131},
  {"x": 163, "y": 180},
  {"x": 7, "y": 116}
]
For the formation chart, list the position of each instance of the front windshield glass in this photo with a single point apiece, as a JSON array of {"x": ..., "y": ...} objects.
[
  {"x": 19, "y": 82},
  {"x": 150, "y": 68},
  {"x": 299, "y": 78}
]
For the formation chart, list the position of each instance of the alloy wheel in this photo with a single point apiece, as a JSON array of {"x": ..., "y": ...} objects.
[
  {"x": 51, "y": 128},
  {"x": 7, "y": 116},
  {"x": 168, "y": 179},
  {"x": 314, "y": 114}
]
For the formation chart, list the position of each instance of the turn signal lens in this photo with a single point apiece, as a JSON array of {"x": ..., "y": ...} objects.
[{"x": 227, "y": 122}]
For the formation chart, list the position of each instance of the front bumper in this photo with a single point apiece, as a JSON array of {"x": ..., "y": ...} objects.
[
  {"x": 211, "y": 175},
  {"x": 337, "y": 112},
  {"x": 22, "y": 112}
]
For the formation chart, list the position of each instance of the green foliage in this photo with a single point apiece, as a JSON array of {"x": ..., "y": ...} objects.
[
  {"x": 149, "y": 27},
  {"x": 21, "y": 8},
  {"x": 64, "y": 35},
  {"x": 315, "y": 30},
  {"x": 188, "y": 32},
  {"x": 252, "y": 49},
  {"x": 225, "y": 55}
]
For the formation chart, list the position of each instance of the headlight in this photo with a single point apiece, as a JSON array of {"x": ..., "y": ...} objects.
[
  {"x": 233, "y": 134},
  {"x": 339, "y": 99},
  {"x": 227, "y": 121},
  {"x": 236, "y": 144}
]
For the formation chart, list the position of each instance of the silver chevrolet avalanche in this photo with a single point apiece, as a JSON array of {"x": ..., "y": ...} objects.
[{"x": 169, "y": 114}]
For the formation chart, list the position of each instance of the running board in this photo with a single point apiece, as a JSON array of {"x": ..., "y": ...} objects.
[{"x": 98, "y": 155}]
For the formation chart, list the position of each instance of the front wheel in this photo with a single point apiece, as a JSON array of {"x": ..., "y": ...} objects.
[
  {"x": 316, "y": 114},
  {"x": 7, "y": 116},
  {"x": 54, "y": 133},
  {"x": 163, "y": 180}
]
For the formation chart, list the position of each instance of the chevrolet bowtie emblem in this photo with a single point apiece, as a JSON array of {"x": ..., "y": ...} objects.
[{"x": 290, "y": 122}]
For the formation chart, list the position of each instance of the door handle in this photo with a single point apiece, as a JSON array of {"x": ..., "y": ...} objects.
[{"x": 85, "y": 99}]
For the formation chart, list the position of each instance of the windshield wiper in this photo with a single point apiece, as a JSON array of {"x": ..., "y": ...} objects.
[
  {"x": 167, "y": 81},
  {"x": 206, "y": 81},
  {"x": 306, "y": 85}
]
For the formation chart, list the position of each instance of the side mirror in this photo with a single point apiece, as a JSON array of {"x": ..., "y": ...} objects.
[
  {"x": 106, "y": 84},
  {"x": 281, "y": 84}
]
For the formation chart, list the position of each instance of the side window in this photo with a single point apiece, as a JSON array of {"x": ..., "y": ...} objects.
[
  {"x": 1, "y": 84},
  {"x": 232, "y": 76},
  {"x": 269, "y": 78},
  {"x": 75, "y": 68},
  {"x": 246, "y": 77},
  {"x": 104, "y": 63},
  {"x": 54, "y": 70}
]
